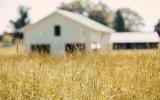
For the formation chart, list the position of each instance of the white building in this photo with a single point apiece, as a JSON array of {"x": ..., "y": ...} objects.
[
  {"x": 64, "y": 31},
  {"x": 134, "y": 40}
]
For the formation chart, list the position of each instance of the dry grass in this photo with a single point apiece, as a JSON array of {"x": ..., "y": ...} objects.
[{"x": 129, "y": 75}]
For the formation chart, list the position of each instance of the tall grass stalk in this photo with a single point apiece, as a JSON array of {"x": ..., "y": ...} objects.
[{"x": 129, "y": 75}]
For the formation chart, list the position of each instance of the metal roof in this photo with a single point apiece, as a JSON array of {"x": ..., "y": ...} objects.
[
  {"x": 134, "y": 37},
  {"x": 85, "y": 21},
  {"x": 78, "y": 18}
]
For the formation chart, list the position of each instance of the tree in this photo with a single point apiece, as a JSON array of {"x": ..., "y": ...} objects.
[
  {"x": 75, "y": 6},
  {"x": 1, "y": 37},
  {"x": 98, "y": 12},
  {"x": 119, "y": 24},
  {"x": 157, "y": 27},
  {"x": 22, "y": 21},
  {"x": 101, "y": 13},
  {"x": 98, "y": 16},
  {"x": 133, "y": 21}
]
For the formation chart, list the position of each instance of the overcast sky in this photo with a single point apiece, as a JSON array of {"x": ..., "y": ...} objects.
[{"x": 148, "y": 9}]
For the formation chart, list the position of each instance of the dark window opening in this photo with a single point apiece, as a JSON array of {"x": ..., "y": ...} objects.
[
  {"x": 41, "y": 48},
  {"x": 135, "y": 45},
  {"x": 57, "y": 30},
  {"x": 75, "y": 47}
]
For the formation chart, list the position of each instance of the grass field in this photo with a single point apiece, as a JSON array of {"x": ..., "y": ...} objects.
[{"x": 118, "y": 75}]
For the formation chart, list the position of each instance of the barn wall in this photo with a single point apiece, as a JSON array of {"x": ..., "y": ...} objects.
[
  {"x": 43, "y": 33},
  {"x": 105, "y": 42}
]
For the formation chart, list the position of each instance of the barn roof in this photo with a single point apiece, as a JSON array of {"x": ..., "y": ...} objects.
[
  {"x": 134, "y": 37},
  {"x": 78, "y": 18},
  {"x": 85, "y": 21}
]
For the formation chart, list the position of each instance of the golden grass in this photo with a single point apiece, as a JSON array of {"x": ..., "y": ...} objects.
[
  {"x": 124, "y": 75},
  {"x": 8, "y": 51}
]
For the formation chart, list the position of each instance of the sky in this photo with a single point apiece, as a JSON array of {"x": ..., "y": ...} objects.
[{"x": 148, "y": 9}]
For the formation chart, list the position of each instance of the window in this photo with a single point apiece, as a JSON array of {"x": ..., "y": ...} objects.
[
  {"x": 135, "y": 45},
  {"x": 57, "y": 30},
  {"x": 41, "y": 48}
]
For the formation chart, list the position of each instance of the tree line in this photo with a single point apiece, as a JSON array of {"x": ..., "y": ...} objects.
[{"x": 122, "y": 20}]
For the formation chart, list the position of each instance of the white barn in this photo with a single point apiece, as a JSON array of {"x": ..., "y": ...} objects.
[{"x": 64, "y": 31}]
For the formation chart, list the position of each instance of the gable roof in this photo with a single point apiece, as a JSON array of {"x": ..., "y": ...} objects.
[
  {"x": 134, "y": 37},
  {"x": 78, "y": 18}
]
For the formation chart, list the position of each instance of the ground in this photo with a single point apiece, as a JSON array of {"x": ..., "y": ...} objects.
[{"x": 116, "y": 75}]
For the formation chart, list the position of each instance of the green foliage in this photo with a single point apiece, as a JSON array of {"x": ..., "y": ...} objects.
[
  {"x": 98, "y": 16},
  {"x": 119, "y": 24},
  {"x": 98, "y": 12},
  {"x": 104, "y": 15},
  {"x": 157, "y": 28},
  {"x": 22, "y": 21},
  {"x": 133, "y": 21},
  {"x": 75, "y": 6},
  {"x": 1, "y": 38}
]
